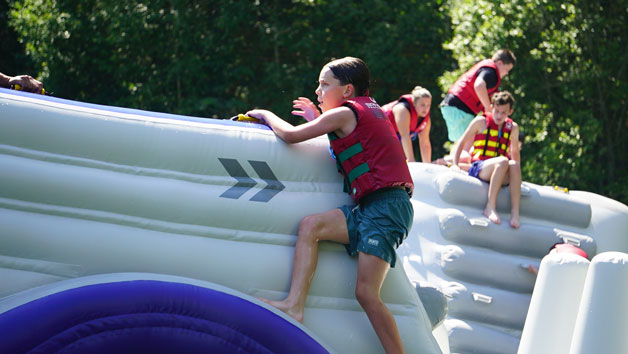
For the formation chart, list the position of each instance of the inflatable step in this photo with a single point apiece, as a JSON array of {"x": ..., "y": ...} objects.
[
  {"x": 488, "y": 268},
  {"x": 487, "y": 305},
  {"x": 472, "y": 337},
  {"x": 529, "y": 240},
  {"x": 537, "y": 202}
]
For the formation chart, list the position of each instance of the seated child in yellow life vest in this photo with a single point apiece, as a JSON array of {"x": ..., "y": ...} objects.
[{"x": 496, "y": 157}]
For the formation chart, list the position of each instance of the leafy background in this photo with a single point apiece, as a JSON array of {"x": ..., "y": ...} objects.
[{"x": 219, "y": 58}]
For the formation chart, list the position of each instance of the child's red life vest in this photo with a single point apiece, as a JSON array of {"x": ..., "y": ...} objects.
[
  {"x": 370, "y": 157},
  {"x": 492, "y": 142},
  {"x": 415, "y": 126},
  {"x": 463, "y": 87}
]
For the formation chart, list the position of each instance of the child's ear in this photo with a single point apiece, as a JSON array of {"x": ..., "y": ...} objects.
[
  {"x": 348, "y": 92},
  {"x": 510, "y": 112}
]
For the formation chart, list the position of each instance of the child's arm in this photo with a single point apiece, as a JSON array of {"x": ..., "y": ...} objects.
[
  {"x": 476, "y": 125},
  {"x": 341, "y": 119},
  {"x": 482, "y": 92},
  {"x": 515, "y": 153},
  {"x": 4, "y": 80},
  {"x": 425, "y": 145},
  {"x": 402, "y": 120}
]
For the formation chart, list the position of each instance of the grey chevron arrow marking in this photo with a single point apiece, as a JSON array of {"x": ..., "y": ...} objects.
[
  {"x": 236, "y": 171},
  {"x": 244, "y": 182},
  {"x": 273, "y": 185}
]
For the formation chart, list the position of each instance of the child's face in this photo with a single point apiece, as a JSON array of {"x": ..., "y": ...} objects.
[
  {"x": 422, "y": 106},
  {"x": 503, "y": 69},
  {"x": 501, "y": 112},
  {"x": 330, "y": 92}
]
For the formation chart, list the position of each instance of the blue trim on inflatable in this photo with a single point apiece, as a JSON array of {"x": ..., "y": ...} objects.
[
  {"x": 148, "y": 316},
  {"x": 133, "y": 111}
]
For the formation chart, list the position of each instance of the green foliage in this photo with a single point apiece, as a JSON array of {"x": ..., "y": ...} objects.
[
  {"x": 219, "y": 58},
  {"x": 13, "y": 60},
  {"x": 570, "y": 83}
]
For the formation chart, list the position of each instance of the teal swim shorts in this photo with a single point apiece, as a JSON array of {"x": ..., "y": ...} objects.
[
  {"x": 379, "y": 224},
  {"x": 457, "y": 121}
]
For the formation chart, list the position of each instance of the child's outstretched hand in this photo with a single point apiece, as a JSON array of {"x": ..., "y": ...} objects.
[
  {"x": 305, "y": 108},
  {"x": 259, "y": 114}
]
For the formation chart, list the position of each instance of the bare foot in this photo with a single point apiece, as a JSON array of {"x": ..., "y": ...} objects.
[
  {"x": 289, "y": 310},
  {"x": 491, "y": 214},
  {"x": 514, "y": 221}
]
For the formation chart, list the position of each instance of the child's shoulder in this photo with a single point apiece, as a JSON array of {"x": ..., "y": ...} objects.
[{"x": 478, "y": 123}]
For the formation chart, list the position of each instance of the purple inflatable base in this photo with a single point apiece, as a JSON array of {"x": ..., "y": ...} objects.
[{"x": 147, "y": 316}]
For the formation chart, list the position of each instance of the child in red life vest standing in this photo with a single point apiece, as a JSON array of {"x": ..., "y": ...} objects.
[
  {"x": 471, "y": 93},
  {"x": 370, "y": 158},
  {"x": 496, "y": 156},
  {"x": 410, "y": 116}
]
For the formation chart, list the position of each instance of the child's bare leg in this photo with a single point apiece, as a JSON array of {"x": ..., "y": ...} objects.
[
  {"x": 514, "y": 170},
  {"x": 372, "y": 271},
  {"x": 330, "y": 225},
  {"x": 494, "y": 170}
]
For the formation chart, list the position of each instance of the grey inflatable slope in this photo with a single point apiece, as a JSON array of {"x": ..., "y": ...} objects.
[
  {"x": 482, "y": 267},
  {"x": 87, "y": 190}
]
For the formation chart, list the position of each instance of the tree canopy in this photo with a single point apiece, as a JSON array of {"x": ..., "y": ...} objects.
[{"x": 220, "y": 58}]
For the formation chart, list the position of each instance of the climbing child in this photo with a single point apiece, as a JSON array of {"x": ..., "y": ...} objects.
[
  {"x": 370, "y": 158},
  {"x": 495, "y": 155},
  {"x": 410, "y": 116}
]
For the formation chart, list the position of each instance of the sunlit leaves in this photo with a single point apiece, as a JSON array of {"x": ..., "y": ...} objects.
[{"x": 570, "y": 83}]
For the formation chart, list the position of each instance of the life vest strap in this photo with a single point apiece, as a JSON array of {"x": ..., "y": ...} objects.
[
  {"x": 350, "y": 152},
  {"x": 358, "y": 171}
]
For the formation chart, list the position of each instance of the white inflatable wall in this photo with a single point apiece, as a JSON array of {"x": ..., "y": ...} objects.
[
  {"x": 88, "y": 190},
  {"x": 603, "y": 313}
]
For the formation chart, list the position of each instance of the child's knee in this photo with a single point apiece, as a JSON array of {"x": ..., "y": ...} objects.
[
  {"x": 307, "y": 226},
  {"x": 365, "y": 295},
  {"x": 502, "y": 161}
]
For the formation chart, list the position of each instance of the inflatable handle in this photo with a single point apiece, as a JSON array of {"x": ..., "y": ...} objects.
[
  {"x": 482, "y": 298},
  {"x": 478, "y": 222},
  {"x": 570, "y": 240},
  {"x": 18, "y": 87},
  {"x": 563, "y": 189},
  {"x": 245, "y": 118}
]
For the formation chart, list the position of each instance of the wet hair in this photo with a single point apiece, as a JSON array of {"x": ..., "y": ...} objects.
[
  {"x": 503, "y": 97},
  {"x": 350, "y": 70},
  {"x": 506, "y": 56},
  {"x": 420, "y": 92}
]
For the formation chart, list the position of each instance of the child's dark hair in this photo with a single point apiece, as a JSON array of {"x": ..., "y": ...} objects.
[
  {"x": 503, "y": 97},
  {"x": 506, "y": 56},
  {"x": 349, "y": 70}
]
